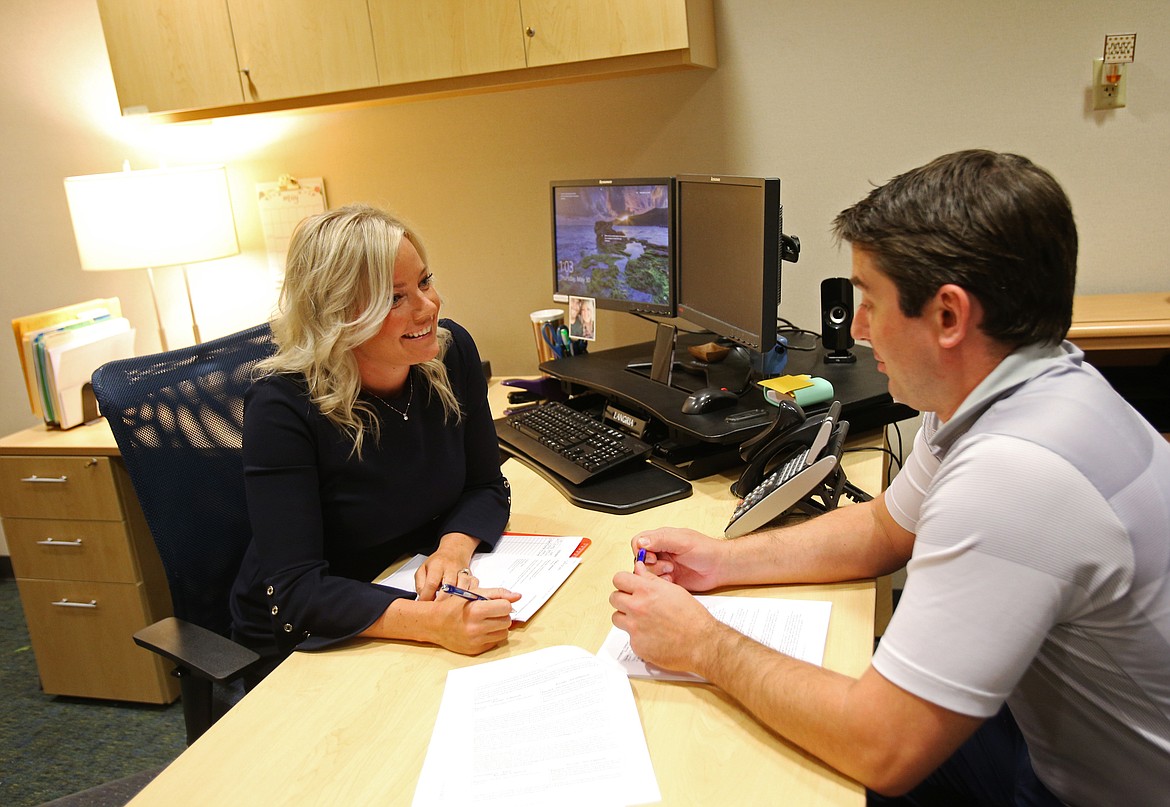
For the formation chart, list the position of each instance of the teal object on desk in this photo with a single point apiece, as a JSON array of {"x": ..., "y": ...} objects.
[{"x": 821, "y": 390}]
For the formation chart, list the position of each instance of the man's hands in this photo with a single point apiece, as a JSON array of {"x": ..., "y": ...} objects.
[
  {"x": 685, "y": 557},
  {"x": 667, "y": 626}
]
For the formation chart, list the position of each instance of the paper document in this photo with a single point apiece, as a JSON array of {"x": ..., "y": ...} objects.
[
  {"x": 534, "y": 566},
  {"x": 797, "y": 628},
  {"x": 557, "y": 726}
]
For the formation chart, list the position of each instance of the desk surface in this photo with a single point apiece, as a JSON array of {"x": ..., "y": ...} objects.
[
  {"x": 351, "y": 725},
  {"x": 1121, "y": 321}
]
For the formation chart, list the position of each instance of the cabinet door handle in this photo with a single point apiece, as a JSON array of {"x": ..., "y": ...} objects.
[
  {"x": 530, "y": 31},
  {"x": 55, "y": 542},
  {"x": 57, "y": 480},
  {"x": 65, "y": 603}
]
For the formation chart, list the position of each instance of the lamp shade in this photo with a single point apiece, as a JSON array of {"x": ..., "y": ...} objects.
[{"x": 151, "y": 218}]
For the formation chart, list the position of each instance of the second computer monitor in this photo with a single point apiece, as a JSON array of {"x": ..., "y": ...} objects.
[
  {"x": 613, "y": 241},
  {"x": 727, "y": 242}
]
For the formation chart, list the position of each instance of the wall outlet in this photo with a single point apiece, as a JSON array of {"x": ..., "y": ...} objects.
[{"x": 1108, "y": 94}]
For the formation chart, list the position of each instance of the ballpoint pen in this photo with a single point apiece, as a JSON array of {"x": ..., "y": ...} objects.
[
  {"x": 455, "y": 591},
  {"x": 566, "y": 341},
  {"x": 641, "y": 557},
  {"x": 552, "y": 339},
  {"x": 447, "y": 588}
]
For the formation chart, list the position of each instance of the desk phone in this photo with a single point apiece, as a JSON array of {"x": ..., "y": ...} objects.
[{"x": 786, "y": 463}]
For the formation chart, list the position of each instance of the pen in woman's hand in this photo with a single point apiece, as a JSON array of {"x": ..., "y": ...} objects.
[
  {"x": 640, "y": 559},
  {"x": 447, "y": 588}
]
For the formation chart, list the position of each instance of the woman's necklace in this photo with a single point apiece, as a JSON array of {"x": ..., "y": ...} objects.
[{"x": 409, "y": 398}]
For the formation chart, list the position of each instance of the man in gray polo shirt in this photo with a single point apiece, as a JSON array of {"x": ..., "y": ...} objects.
[{"x": 1028, "y": 661}]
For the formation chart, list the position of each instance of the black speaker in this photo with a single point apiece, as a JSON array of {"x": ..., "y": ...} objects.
[{"x": 837, "y": 319}]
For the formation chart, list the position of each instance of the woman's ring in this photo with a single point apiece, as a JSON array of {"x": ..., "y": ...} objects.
[{"x": 465, "y": 571}]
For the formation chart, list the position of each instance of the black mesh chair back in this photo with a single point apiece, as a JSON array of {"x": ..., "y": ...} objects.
[{"x": 177, "y": 418}]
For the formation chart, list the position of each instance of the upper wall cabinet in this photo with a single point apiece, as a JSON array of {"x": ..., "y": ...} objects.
[
  {"x": 196, "y": 54},
  {"x": 291, "y": 48},
  {"x": 560, "y": 31},
  {"x": 420, "y": 41},
  {"x": 173, "y": 55},
  {"x": 209, "y": 58}
]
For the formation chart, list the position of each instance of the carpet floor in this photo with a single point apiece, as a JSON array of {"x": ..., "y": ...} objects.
[{"x": 53, "y": 746}]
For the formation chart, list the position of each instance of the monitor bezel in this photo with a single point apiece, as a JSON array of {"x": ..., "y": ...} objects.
[
  {"x": 666, "y": 309},
  {"x": 760, "y": 334}
]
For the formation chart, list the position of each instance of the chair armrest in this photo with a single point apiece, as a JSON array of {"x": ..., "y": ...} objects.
[{"x": 205, "y": 653}]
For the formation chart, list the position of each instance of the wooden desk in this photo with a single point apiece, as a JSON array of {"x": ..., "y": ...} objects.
[
  {"x": 1121, "y": 321},
  {"x": 351, "y": 725}
]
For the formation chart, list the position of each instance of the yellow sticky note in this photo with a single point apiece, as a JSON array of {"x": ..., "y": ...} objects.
[{"x": 787, "y": 384}]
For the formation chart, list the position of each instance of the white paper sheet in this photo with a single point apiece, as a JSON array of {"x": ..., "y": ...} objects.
[
  {"x": 556, "y": 726},
  {"x": 535, "y": 566},
  {"x": 797, "y": 628}
]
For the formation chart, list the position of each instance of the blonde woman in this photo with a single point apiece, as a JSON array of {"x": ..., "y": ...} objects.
[{"x": 367, "y": 438}]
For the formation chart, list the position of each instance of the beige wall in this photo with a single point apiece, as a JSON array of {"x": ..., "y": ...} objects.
[{"x": 829, "y": 96}]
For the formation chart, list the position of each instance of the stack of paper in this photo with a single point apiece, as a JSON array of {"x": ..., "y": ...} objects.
[
  {"x": 534, "y": 566},
  {"x": 60, "y": 349},
  {"x": 556, "y": 726},
  {"x": 797, "y": 628}
]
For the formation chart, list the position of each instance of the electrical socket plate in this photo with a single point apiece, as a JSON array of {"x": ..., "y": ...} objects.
[{"x": 1105, "y": 95}]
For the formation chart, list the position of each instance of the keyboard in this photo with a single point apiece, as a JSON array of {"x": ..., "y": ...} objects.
[{"x": 569, "y": 443}]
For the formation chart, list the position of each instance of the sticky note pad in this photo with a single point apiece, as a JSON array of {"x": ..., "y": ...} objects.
[
  {"x": 787, "y": 384},
  {"x": 818, "y": 390}
]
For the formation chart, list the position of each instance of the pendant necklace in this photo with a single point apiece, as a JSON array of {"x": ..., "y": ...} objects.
[{"x": 409, "y": 399}]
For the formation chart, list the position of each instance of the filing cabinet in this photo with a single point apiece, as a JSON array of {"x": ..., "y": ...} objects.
[{"x": 85, "y": 565}]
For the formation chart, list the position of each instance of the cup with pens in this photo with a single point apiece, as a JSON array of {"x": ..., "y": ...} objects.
[{"x": 553, "y": 340}]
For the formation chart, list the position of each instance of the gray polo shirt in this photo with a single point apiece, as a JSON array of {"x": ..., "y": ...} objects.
[{"x": 1041, "y": 574}]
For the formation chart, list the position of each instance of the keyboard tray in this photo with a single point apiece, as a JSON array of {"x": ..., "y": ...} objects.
[{"x": 628, "y": 491}]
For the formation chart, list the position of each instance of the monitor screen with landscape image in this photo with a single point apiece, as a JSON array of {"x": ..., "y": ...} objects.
[{"x": 613, "y": 241}]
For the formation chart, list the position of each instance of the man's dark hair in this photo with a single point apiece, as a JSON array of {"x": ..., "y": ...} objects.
[{"x": 994, "y": 224}]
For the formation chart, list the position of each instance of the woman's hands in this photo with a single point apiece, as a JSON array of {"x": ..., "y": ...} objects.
[
  {"x": 471, "y": 627},
  {"x": 464, "y": 626},
  {"x": 444, "y": 564}
]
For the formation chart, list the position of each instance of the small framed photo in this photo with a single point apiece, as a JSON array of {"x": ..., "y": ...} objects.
[{"x": 583, "y": 318}]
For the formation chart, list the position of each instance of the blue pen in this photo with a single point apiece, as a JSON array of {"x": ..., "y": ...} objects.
[
  {"x": 641, "y": 557},
  {"x": 545, "y": 330},
  {"x": 447, "y": 588}
]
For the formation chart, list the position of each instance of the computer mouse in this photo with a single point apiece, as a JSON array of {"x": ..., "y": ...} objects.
[{"x": 708, "y": 399}]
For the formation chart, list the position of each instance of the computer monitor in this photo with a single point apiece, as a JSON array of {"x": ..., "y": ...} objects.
[
  {"x": 613, "y": 240},
  {"x": 729, "y": 243}
]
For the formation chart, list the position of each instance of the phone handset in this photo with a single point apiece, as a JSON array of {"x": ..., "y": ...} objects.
[
  {"x": 778, "y": 444},
  {"x": 798, "y": 477}
]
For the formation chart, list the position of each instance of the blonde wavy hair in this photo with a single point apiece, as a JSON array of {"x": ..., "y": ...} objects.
[{"x": 338, "y": 289}]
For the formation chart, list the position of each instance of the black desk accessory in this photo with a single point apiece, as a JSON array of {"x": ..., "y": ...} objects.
[
  {"x": 861, "y": 389},
  {"x": 630, "y": 492}
]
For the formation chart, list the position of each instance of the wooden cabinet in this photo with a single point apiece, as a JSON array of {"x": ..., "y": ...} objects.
[
  {"x": 87, "y": 570},
  {"x": 560, "y": 31},
  {"x": 445, "y": 38},
  {"x": 193, "y": 59},
  {"x": 173, "y": 55},
  {"x": 292, "y": 48},
  {"x": 192, "y": 54}
]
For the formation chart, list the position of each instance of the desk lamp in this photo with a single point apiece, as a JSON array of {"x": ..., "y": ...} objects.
[{"x": 153, "y": 218}]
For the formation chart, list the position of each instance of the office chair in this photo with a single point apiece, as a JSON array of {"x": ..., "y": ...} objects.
[{"x": 177, "y": 418}]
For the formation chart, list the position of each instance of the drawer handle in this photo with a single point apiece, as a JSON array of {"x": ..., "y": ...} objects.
[
  {"x": 65, "y": 603},
  {"x": 55, "y": 542},
  {"x": 57, "y": 480}
]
